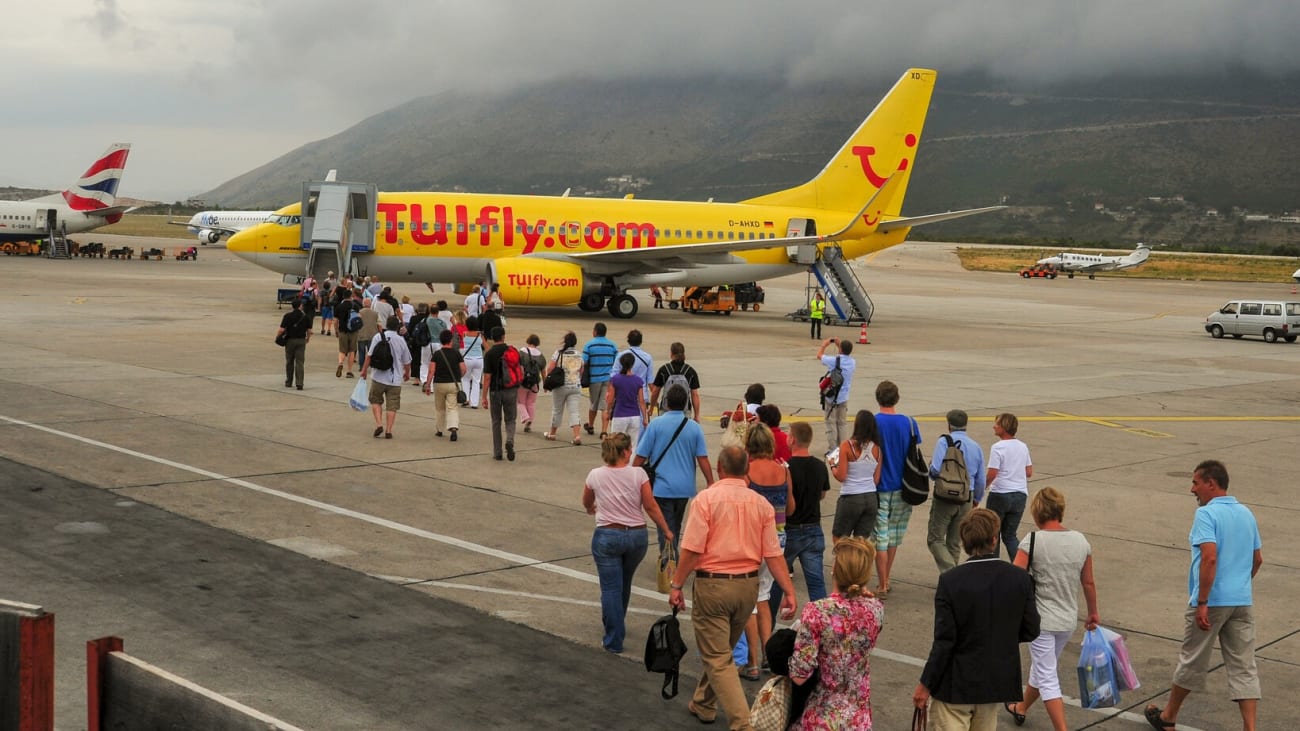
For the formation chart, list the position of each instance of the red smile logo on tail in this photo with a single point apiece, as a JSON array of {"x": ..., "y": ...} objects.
[{"x": 865, "y": 153}]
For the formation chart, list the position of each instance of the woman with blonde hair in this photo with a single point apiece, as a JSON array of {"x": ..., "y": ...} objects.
[
  {"x": 1060, "y": 561},
  {"x": 617, "y": 494},
  {"x": 835, "y": 639}
]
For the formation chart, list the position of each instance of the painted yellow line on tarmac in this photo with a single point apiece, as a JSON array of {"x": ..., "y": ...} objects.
[{"x": 1101, "y": 420}]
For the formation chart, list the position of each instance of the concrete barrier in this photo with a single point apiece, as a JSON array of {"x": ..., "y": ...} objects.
[
  {"x": 26, "y": 667},
  {"x": 124, "y": 692}
]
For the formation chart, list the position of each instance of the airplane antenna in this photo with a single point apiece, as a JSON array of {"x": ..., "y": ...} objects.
[{"x": 566, "y": 193}]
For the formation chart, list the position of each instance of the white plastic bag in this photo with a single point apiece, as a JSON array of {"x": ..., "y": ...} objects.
[{"x": 360, "y": 398}]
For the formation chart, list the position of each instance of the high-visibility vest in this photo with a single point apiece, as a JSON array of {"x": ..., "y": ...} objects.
[{"x": 817, "y": 308}]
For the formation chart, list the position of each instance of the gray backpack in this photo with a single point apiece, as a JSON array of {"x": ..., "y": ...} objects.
[{"x": 953, "y": 483}]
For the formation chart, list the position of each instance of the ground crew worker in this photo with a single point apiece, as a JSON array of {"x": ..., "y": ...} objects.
[{"x": 816, "y": 313}]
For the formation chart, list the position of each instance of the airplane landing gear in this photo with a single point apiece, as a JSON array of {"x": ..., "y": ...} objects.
[
  {"x": 591, "y": 302},
  {"x": 1092, "y": 276},
  {"x": 623, "y": 306}
]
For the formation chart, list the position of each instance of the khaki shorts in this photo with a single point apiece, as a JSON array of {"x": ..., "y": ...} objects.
[
  {"x": 348, "y": 342},
  {"x": 1234, "y": 628},
  {"x": 382, "y": 393},
  {"x": 598, "y": 391}
]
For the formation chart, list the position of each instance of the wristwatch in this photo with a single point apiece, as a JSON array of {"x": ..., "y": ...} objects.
[{"x": 675, "y": 587}]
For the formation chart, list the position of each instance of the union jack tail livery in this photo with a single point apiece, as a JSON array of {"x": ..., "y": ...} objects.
[{"x": 97, "y": 187}]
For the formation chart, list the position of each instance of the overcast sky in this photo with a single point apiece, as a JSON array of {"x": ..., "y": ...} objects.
[{"x": 208, "y": 90}]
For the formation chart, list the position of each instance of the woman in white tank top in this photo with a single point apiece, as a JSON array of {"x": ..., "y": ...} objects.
[{"x": 858, "y": 470}]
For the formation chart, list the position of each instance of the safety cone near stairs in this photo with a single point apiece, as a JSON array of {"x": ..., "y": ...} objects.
[{"x": 862, "y": 336}]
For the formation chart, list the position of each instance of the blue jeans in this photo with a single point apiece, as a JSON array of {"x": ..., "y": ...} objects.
[
  {"x": 1010, "y": 507},
  {"x": 806, "y": 543},
  {"x": 674, "y": 510},
  {"x": 617, "y": 553}
]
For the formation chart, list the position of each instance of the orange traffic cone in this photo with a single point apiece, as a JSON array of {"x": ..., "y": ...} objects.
[
  {"x": 1293, "y": 289},
  {"x": 862, "y": 336}
]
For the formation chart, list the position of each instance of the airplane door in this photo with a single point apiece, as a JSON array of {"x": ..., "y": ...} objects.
[{"x": 801, "y": 227}]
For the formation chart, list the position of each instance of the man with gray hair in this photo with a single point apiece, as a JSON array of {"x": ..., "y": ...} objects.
[
  {"x": 944, "y": 538},
  {"x": 386, "y": 382}
]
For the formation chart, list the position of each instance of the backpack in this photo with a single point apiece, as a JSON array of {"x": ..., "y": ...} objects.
[
  {"x": 509, "y": 373},
  {"x": 916, "y": 472},
  {"x": 532, "y": 371},
  {"x": 352, "y": 322},
  {"x": 953, "y": 483},
  {"x": 420, "y": 334},
  {"x": 675, "y": 379},
  {"x": 830, "y": 384},
  {"x": 664, "y": 650},
  {"x": 381, "y": 358}
]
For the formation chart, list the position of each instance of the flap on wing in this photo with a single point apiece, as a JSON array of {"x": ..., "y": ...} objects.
[{"x": 933, "y": 218}]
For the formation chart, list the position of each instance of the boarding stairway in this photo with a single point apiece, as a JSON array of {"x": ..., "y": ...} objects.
[
  {"x": 58, "y": 248},
  {"x": 848, "y": 300},
  {"x": 338, "y": 222}
]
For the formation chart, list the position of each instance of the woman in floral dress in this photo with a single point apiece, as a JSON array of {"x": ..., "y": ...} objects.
[{"x": 835, "y": 636}]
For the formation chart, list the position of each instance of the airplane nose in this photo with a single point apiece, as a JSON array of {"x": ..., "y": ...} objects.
[{"x": 243, "y": 245}]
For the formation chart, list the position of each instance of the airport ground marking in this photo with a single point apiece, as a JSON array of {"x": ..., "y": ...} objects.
[{"x": 520, "y": 560}]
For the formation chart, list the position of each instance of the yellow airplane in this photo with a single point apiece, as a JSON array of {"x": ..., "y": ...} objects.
[{"x": 556, "y": 250}]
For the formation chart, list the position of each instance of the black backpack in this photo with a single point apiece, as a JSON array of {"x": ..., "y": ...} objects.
[
  {"x": 419, "y": 332},
  {"x": 532, "y": 370},
  {"x": 916, "y": 471},
  {"x": 829, "y": 385},
  {"x": 381, "y": 358},
  {"x": 664, "y": 650}
]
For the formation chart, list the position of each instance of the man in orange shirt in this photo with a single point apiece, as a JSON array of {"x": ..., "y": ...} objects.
[{"x": 730, "y": 532}]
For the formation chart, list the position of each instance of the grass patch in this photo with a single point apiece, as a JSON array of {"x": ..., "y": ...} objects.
[
  {"x": 138, "y": 224},
  {"x": 1195, "y": 267}
]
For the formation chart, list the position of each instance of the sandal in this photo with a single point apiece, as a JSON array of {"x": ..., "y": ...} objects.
[
  {"x": 550, "y": 437},
  {"x": 1152, "y": 714},
  {"x": 751, "y": 673},
  {"x": 577, "y": 441},
  {"x": 1019, "y": 718}
]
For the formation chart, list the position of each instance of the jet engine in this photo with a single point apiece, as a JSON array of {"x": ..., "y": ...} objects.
[
  {"x": 208, "y": 236},
  {"x": 532, "y": 281}
]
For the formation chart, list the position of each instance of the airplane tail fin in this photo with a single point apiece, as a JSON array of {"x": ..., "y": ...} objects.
[
  {"x": 97, "y": 187},
  {"x": 881, "y": 150},
  {"x": 1139, "y": 255}
]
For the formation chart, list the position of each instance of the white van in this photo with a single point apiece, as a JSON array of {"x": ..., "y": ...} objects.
[{"x": 1267, "y": 319}]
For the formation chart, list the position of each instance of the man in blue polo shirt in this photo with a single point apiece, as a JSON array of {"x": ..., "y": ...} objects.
[
  {"x": 598, "y": 362},
  {"x": 674, "y": 444},
  {"x": 1225, "y": 558}
]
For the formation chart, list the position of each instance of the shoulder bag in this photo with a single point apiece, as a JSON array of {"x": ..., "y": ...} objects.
[
  {"x": 462, "y": 398},
  {"x": 650, "y": 468},
  {"x": 737, "y": 427},
  {"x": 555, "y": 377},
  {"x": 916, "y": 471}
]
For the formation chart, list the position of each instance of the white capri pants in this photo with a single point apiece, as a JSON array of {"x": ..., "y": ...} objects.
[{"x": 1044, "y": 652}]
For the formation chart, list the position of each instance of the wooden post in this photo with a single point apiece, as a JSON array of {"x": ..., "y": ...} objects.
[{"x": 96, "y": 662}]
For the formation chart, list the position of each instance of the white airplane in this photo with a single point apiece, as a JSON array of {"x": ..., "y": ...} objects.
[
  {"x": 213, "y": 226},
  {"x": 85, "y": 206},
  {"x": 1090, "y": 264}
]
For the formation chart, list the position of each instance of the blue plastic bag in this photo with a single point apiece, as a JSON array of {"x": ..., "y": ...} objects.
[
  {"x": 1097, "y": 683},
  {"x": 360, "y": 398},
  {"x": 740, "y": 653}
]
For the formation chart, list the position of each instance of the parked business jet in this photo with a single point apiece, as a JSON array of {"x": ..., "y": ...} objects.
[
  {"x": 1090, "y": 264},
  {"x": 556, "y": 250},
  {"x": 213, "y": 226},
  {"x": 84, "y": 206}
]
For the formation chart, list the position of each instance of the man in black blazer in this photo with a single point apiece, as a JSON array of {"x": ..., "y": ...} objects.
[{"x": 983, "y": 610}]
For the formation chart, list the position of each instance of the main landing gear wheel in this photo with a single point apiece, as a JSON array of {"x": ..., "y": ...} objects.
[
  {"x": 591, "y": 302},
  {"x": 623, "y": 306}
]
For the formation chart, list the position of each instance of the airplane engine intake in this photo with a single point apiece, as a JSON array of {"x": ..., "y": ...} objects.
[
  {"x": 208, "y": 236},
  {"x": 529, "y": 281}
]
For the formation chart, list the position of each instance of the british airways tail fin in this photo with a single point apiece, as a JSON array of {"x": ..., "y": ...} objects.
[{"x": 97, "y": 187}]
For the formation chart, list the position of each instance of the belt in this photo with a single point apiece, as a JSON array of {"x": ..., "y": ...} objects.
[
  {"x": 619, "y": 526},
  {"x": 711, "y": 575}
]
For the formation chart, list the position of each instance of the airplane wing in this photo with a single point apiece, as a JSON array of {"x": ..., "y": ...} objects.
[
  {"x": 689, "y": 256},
  {"x": 110, "y": 211}
]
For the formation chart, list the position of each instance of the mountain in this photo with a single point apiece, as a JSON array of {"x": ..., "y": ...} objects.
[{"x": 1054, "y": 152}]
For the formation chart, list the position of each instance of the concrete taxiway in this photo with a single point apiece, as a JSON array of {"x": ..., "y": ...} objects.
[{"x": 164, "y": 486}]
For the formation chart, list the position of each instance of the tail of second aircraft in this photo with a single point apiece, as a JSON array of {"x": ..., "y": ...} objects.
[
  {"x": 883, "y": 147},
  {"x": 97, "y": 188}
]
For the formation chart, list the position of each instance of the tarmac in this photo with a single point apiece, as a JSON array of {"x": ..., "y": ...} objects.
[{"x": 161, "y": 484}]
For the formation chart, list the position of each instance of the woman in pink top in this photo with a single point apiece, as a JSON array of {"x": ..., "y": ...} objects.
[{"x": 616, "y": 494}]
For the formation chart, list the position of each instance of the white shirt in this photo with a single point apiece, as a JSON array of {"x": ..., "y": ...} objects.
[
  {"x": 474, "y": 303},
  {"x": 1009, "y": 457},
  {"x": 384, "y": 309},
  {"x": 408, "y": 311},
  {"x": 401, "y": 357},
  {"x": 445, "y": 316}
]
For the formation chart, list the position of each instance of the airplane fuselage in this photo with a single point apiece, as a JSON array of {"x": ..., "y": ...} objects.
[
  {"x": 29, "y": 220},
  {"x": 422, "y": 237}
]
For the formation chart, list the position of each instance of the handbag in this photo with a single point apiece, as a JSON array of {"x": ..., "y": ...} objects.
[
  {"x": 282, "y": 339},
  {"x": 920, "y": 718},
  {"x": 916, "y": 471},
  {"x": 771, "y": 708},
  {"x": 737, "y": 428},
  {"x": 555, "y": 377},
  {"x": 1098, "y": 687},
  {"x": 667, "y": 568},
  {"x": 359, "y": 400}
]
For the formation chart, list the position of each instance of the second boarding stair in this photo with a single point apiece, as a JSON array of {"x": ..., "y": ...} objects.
[{"x": 848, "y": 300}]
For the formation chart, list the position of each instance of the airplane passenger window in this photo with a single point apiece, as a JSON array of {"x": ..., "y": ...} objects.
[
  {"x": 552, "y": 230},
  {"x": 699, "y": 234},
  {"x": 460, "y": 228},
  {"x": 1250, "y": 308},
  {"x": 401, "y": 225},
  {"x": 496, "y": 228}
]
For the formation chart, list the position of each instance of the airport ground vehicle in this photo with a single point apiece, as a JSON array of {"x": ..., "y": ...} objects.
[
  {"x": 1269, "y": 319},
  {"x": 725, "y": 300},
  {"x": 1046, "y": 271}
]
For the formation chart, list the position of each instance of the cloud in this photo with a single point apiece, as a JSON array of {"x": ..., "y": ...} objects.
[{"x": 265, "y": 71}]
